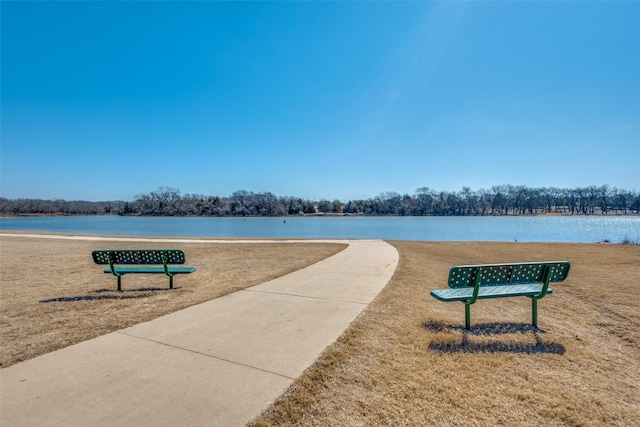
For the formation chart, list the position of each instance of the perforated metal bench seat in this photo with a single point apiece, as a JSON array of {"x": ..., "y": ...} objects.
[
  {"x": 469, "y": 283},
  {"x": 120, "y": 262},
  {"x": 152, "y": 270},
  {"x": 464, "y": 294}
]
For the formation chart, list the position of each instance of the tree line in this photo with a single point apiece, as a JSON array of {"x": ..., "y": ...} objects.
[
  {"x": 499, "y": 200},
  {"x": 23, "y": 206}
]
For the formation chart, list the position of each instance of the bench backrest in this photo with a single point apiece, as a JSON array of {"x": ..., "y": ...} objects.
[
  {"x": 143, "y": 256},
  {"x": 507, "y": 274}
]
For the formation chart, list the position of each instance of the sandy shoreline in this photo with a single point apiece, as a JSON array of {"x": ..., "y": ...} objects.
[{"x": 162, "y": 239}]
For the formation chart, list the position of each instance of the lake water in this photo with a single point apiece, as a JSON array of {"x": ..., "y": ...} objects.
[{"x": 586, "y": 229}]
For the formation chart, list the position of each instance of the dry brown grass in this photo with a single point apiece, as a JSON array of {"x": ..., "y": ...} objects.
[
  {"x": 407, "y": 361},
  {"x": 52, "y": 294}
]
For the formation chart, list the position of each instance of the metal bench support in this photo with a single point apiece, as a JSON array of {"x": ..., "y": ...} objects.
[
  {"x": 531, "y": 279},
  {"x": 129, "y": 260}
]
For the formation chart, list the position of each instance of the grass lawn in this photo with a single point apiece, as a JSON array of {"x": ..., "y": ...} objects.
[
  {"x": 406, "y": 360},
  {"x": 52, "y": 295}
]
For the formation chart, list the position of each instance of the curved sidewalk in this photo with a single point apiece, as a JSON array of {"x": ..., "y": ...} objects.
[{"x": 220, "y": 363}]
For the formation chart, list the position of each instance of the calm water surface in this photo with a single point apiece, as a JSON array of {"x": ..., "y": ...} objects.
[{"x": 585, "y": 229}]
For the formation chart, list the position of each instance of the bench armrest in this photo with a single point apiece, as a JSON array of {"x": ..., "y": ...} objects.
[
  {"x": 547, "y": 278},
  {"x": 112, "y": 267},
  {"x": 476, "y": 287},
  {"x": 164, "y": 264}
]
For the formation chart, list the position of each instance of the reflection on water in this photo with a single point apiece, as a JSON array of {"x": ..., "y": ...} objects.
[{"x": 585, "y": 229}]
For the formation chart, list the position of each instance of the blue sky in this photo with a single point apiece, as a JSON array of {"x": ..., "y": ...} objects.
[{"x": 336, "y": 100}]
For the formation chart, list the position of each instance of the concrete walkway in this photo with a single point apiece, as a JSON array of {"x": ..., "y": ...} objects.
[{"x": 220, "y": 363}]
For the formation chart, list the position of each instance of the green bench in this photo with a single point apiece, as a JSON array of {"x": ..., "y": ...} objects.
[
  {"x": 122, "y": 262},
  {"x": 470, "y": 283}
]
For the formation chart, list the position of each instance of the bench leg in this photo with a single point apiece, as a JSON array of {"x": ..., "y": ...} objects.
[
  {"x": 119, "y": 284},
  {"x": 467, "y": 316},
  {"x": 534, "y": 312},
  {"x": 170, "y": 282}
]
